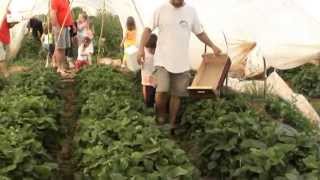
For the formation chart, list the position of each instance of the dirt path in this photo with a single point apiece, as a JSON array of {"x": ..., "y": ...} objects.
[{"x": 68, "y": 122}]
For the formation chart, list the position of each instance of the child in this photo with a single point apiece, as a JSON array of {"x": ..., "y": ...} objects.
[
  {"x": 130, "y": 37},
  {"x": 47, "y": 43},
  {"x": 72, "y": 51},
  {"x": 85, "y": 52},
  {"x": 89, "y": 33},
  {"x": 83, "y": 25},
  {"x": 148, "y": 83}
]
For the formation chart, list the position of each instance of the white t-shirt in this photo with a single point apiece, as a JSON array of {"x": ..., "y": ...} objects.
[
  {"x": 148, "y": 67},
  {"x": 47, "y": 39},
  {"x": 175, "y": 27},
  {"x": 85, "y": 53}
]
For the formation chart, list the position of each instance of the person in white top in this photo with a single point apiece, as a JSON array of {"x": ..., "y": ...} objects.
[
  {"x": 148, "y": 82},
  {"x": 175, "y": 21},
  {"x": 82, "y": 26},
  {"x": 47, "y": 43},
  {"x": 85, "y": 52}
]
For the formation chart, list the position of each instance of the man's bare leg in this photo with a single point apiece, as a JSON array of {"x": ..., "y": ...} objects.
[
  {"x": 161, "y": 106},
  {"x": 60, "y": 57},
  {"x": 4, "y": 68},
  {"x": 144, "y": 92},
  {"x": 175, "y": 102}
]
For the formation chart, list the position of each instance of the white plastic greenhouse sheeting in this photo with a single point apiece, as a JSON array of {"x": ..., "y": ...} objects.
[{"x": 286, "y": 31}]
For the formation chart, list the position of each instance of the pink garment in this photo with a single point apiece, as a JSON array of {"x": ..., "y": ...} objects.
[
  {"x": 83, "y": 25},
  {"x": 148, "y": 80},
  {"x": 88, "y": 33},
  {"x": 147, "y": 70}
]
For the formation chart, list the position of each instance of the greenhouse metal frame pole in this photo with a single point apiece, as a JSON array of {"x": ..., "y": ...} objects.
[
  {"x": 102, "y": 28},
  {"x": 48, "y": 24}
]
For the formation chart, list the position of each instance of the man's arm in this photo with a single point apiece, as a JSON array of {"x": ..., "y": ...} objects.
[
  {"x": 145, "y": 37},
  {"x": 206, "y": 40}
]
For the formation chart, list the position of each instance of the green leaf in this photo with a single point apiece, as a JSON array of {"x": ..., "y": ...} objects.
[
  {"x": 117, "y": 176},
  {"x": 178, "y": 171},
  {"x": 148, "y": 165},
  {"x": 8, "y": 169},
  {"x": 252, "y": 143},
  {"x": 212, "y": 165},
  {"x": 292, "y": 176},
  {"x": 312, "y": 162}
]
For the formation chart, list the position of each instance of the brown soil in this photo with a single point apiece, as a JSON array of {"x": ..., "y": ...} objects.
[
  {"x": 68, "y": 122},
  {"x": 14, "y": 69}
]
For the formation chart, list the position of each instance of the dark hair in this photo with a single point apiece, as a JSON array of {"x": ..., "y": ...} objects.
[
  {"x": 152, "y": 42},
  {"x": 84, "y": 15},
  {"x": 131, "y": 24},
  {"x": 86, "y": 39},
  {"x": 46, "y": 30}
]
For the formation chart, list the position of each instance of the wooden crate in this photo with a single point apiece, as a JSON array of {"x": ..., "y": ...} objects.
[{"x": 210, "y": 76}]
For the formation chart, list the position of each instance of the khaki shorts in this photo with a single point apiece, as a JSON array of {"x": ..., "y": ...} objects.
[
  {"x": 175, "y": 84},
  {"x": 3, "y": 52},
  {"x": 64, "y": 41}
]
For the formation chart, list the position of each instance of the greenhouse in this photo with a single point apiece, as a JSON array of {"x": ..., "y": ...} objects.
[{"x": 159, "y": 90}]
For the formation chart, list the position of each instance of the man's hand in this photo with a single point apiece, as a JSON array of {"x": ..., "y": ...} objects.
[
  {"x": 141, "y": 57},
  {"x": 145, "y": 37},
  {"x": 206, "y": 40},
  {"x": 216, "y": 50}
]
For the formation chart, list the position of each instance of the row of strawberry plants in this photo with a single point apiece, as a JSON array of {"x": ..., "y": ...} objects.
[
  {"x": 304, "y": 80},
  {"x": 240, "y": 137},
  {"x": 29, "y": 109},
  {"x": 117, "y": 138}
]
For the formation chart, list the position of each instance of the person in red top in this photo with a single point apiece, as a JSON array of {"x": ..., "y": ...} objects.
[
  {"x": 61, "y": 20},
  {"x": 4, "y": 41}
]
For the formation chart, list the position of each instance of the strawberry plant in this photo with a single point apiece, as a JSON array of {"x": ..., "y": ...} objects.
[
  {"x": 117, "y": 138},
  {"x": 304, "y": 80},
  {"x": 40, "y": 81},
  {"x": 29, "y": 109},
  {"x": 307, "y": 81},
  {"x": 22, "y": 156},
  {"x": 31, "y": 100},
  {"x": 3, "y": 82},
  {"x": 288, "y": 114},
  {"x": 237, "y": 140}
]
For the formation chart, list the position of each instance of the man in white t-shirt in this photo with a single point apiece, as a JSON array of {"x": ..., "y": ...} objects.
[{"x": 176, "y": 21}]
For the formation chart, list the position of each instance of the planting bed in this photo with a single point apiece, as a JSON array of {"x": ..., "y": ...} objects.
[{"x": 97, "y": 127}]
